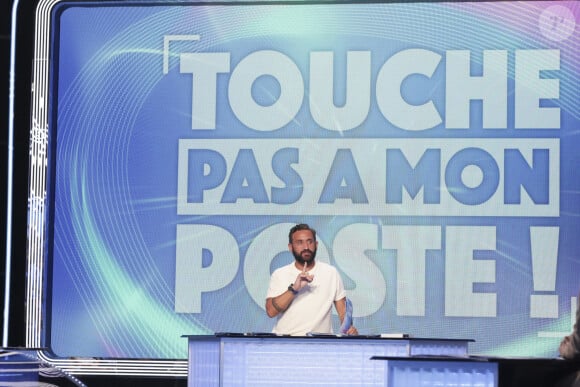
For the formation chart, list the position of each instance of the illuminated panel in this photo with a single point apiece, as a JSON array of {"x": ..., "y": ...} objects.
[{"x": 175, "y": 144}]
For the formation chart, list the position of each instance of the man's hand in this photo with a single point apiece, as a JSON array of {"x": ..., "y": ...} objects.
[
  {"x": 303, "y": 279},
  {"x": 279, "y": 304}
]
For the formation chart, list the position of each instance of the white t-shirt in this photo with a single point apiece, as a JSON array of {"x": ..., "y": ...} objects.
[{"x": 311, "y": 309}]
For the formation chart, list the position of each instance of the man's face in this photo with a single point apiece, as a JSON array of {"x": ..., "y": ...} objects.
[{"x": 303, "y": 246}]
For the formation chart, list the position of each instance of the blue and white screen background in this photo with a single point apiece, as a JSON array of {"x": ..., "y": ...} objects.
[{"x": 433, "y": 146}]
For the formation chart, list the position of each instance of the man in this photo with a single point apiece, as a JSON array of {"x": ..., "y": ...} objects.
[
  {"x": 570, "y": 345},
  {"x": 570, "y": 349},
  {"x": 301, "y": 294}
]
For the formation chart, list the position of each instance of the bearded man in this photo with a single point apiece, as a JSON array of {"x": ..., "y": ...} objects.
[{"x": 302, "y": 293}]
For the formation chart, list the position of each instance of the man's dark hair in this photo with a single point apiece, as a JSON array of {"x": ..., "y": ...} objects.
[{"x": 300, "y": 227}]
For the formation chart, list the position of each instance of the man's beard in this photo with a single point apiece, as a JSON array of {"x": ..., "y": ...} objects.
[{"x": 302, "y": 261}]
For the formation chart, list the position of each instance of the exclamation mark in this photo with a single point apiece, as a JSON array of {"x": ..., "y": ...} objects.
[{"x": 544, "y": 248}]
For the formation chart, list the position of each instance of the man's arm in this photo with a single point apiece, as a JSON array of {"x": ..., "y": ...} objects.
[
  {"x": 570, "y": 346},
  {"x": 278, "y": 304},
  {"x": 340, "y": 306}
]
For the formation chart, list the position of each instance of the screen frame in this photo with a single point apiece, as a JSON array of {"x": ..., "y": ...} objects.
[{"x": 38, "y": 210}]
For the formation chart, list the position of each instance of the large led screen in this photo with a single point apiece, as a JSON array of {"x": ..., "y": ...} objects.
[{"x": 433, "y": 146}]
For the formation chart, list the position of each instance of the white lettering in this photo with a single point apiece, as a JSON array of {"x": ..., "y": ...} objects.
[
  {"x": 281, "y": 112},
  {"x": 204, "y": 68},
  {"x": 192, "y": 279},
  {"x": 411, "y": 244},
  {"x": 462, "y": 271},
  {"x": 393, "y": 104},
  {"x": 531, "y": 88},
  {"x": 358, "y": 90},
  {"x": 392, "y": 97},
  {"x": 371, "y": 289},
  {"x": 462, "y": 88}
]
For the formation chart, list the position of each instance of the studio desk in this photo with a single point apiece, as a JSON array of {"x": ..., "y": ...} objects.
[{"x": 231, "y": 359}]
